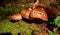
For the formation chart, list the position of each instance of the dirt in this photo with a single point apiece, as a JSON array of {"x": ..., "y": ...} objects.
[
  {"x": 43, "y": 29},
  {"x": 42, "y": 26}
]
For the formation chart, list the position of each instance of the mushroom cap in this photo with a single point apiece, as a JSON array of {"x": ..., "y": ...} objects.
[
  {"x": 39, "y": 13},
  {"x": 26, "y": 13},
  {"x": 16, "y": 17}
]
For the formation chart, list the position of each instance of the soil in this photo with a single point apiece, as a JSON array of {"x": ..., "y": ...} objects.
[{"x": 42, "y": 26}]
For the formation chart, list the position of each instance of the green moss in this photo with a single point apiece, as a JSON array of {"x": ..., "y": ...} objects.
[{"x": 18, "y": 27}]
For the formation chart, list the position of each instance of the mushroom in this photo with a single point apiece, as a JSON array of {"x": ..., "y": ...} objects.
[
  {"x": 33, "y": 13},
  {"x": 26, "y": 13},
  {"x": 39, "y": 13},
  {"x": 16, "y": 17}
]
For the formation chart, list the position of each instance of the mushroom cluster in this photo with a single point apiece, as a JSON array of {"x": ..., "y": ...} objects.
[{"x": 31, "y": 14}]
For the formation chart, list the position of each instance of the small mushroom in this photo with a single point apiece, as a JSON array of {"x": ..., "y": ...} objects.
[
  {"x": 16, "y": 17},
  {"x": 26, "y": 13}
]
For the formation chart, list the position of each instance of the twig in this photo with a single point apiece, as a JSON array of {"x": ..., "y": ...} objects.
[{"x": 36, "y": 3}]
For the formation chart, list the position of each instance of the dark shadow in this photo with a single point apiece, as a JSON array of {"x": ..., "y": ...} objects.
[
  {"x": 51, "y": 16},
  {"x": 19, "y": 34},
  {"x": 5, "y": 33},
  {"x": 51, "y": 26},
  {"x": 39, "y": 21},
  {"x": 1, "y": 3},
  {"x": 30, "y": 21},
  {"x": 13, "y": 21},
  {"x": 27, "y": 20}
]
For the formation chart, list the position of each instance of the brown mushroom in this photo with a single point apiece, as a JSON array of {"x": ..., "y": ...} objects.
[
  {"x": 26, "y": 12},
  {"x": 39, "y": 13},
  {"x": 32, "y": 13},
  {"x": 16, "y": 17}
]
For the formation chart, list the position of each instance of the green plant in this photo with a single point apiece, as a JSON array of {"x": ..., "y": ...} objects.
[
  {"x": 51, "y": 33},
  {"x": 57, "y": 21},
  {"x": 18, "y": 27}
]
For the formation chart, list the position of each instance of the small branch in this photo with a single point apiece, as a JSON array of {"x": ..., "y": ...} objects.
[
  {"x": 36, "y": 3},
  {"x": 47, "y": 30}
]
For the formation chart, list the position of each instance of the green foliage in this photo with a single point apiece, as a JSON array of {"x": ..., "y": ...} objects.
[
  {"x": 18, "y": 27},
  {"x": 57, "y": 21},
  {"x": 11, "y": 9},
  {"x": 51, "y": 33}
]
